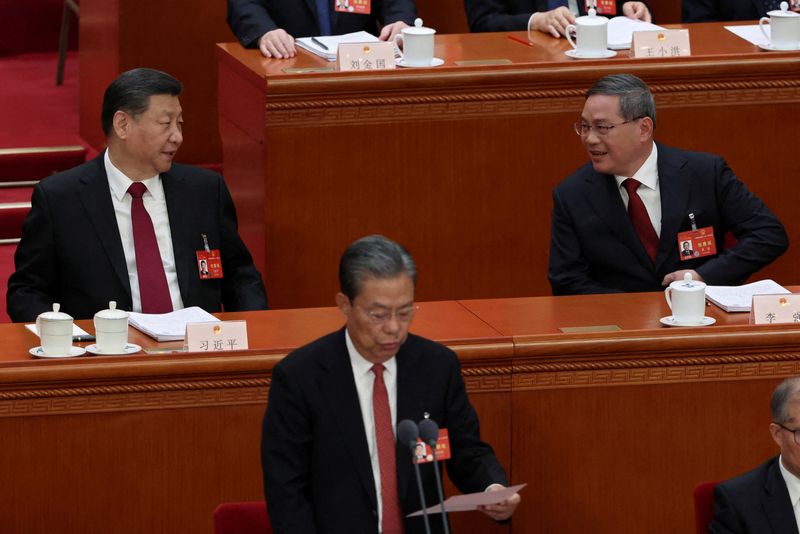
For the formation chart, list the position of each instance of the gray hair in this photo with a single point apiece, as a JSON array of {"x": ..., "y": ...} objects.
[
  {"x": 635, "y": 99},
  {"x": 373, "y": 256},
  {"x": 785, "y": 393}
]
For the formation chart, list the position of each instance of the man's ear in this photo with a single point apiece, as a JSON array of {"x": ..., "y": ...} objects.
[
  {"x": 121, "y": 124},
  {"x": 343, "y": 303},
  {"x": 646, "y": 128}
]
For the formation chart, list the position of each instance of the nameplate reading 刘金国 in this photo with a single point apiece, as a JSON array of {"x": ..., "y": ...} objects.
[
  {"x": 365, "y": 56},
  {"x": 775, "y": 309},
  {"x": 217, "y": 336},
  {"x": 660, "y": 43}
]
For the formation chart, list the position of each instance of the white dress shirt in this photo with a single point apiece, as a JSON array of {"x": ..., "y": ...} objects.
[
  {"x": 156, "y": 206},
  {"x": 365, "y": 378},
  {"x": 649, "y": 191},
  {"x": 793, "y": 485}
]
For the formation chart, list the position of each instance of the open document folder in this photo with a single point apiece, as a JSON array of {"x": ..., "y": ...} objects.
[
  {"x": 620, "y": 31},
  {"x": 471, "y": 501},
  {"x": 332, "y": 42}
]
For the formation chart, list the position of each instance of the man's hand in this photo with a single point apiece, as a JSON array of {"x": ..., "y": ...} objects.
[
  {"x": 277, "y": 44},
  {"x": 555, "y": 21},
  {"x": 678, "y": 275},
  {"x": 501, "y": 510},
  {"x": 390, "y": 30},
  {"x": 636, "y": 10}
]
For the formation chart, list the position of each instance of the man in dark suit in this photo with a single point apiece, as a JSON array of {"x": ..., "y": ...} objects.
[
  {"x": 330, "y": 460},
  {"x": 618, "y": 220},
  {"x": 87, "y": 240},
  {"x": 723, "y": 10},
  {"x": 272, "y": 25},
  {"x": 548, "y": 16},
  {"x": 766, "y": 500}
]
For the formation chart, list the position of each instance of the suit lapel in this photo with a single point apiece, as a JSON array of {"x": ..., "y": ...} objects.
[
  {"x": 407, "y": 408},
  {"x": 674, "y": 191},
  {"x": 777, "y": 504},
  {"x": 602, "y": 194},
  {"x": 96, "y": 198},
  {"x": 343, "y": 398},
  {"x": 179, "y": 211}
]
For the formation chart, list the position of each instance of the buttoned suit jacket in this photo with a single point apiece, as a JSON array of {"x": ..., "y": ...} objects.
[
  {"x": 317, "y": 471},
  {"x": 721, "y": 10},
  {"x": 250, "y": 19},
  {"x": 509, "y": 15},
  {"x": 594, "y": 248},
  {"x": 756, "y": 502},
  {"x": 71, "y": 251}
]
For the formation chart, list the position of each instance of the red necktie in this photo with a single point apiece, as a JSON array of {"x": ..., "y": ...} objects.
[
  {"x": 392, "y": 521},
  {"x": 153, "y": 288},
  {"x": 640, "y": 219}
]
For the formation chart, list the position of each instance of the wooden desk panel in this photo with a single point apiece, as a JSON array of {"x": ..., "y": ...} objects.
[{"x": 458, "y": 163}]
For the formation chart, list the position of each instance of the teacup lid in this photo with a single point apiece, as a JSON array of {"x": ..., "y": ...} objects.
[
  {"x": 418, "y": 29},
  {"x": 55, "y": 315},
  {"x": 591, "y": 19},
  {"x": 112, "y": 312},
  {"x": 783, "y": 11},
  {"x": 687, "y": 284}
]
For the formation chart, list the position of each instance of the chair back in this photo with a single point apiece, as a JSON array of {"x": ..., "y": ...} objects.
[
  {"x": 242, "y": 518},
  {"x": 704, "y": 506}
]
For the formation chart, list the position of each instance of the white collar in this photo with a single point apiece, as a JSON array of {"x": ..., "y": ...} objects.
[
  {"x": 362, "y": 366},
  {"x": 647, "y": 175},
  {"x": 119, "y": 182},
  {"x": 792, "y": 482}
]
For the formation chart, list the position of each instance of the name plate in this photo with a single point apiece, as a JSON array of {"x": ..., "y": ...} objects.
[
  {"x": 661, "y": 43},
  {"x": 216, "y": 336},
  {"x": 775, "y": 309},
  {"x": 366, "y": 56}
]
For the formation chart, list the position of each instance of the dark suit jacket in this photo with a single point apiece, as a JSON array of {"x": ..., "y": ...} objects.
[
  {"x": 509, "y": 15},
  {"x": 71, "y": 250},
  {"x": 756, "y": 502},
  {"x": 594, "y": 248},
  {"x": 721, "y": 10},
  {"x": 250, "y": 19},
  {"x": 317, "y": 471}
]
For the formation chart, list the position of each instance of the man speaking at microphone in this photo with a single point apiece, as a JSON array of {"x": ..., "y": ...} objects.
[{"x": 330, "y": 459}]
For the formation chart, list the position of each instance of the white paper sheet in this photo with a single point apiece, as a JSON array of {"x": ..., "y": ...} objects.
[
  {"x": 751, "y": 34},
  {"x": 620, "y": 31},
  {"x": 740, "y": 298},
  {"x": 471, "y": 501},
  {"x": 169, "y": 326},
  {"x": 76, "y": 330}
]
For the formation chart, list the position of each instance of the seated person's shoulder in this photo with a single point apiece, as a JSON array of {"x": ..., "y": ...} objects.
[
  {"x": 200, "y": 174},
  {"x": 743, "y": 485}
]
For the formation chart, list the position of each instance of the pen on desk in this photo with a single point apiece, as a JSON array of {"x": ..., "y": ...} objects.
[
  {"x": 318, "y": 43},
  {"x": 517, "y": 39},
  {"x": 83, "y": 338}
]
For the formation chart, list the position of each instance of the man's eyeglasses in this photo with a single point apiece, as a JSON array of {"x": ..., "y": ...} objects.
[
  {"x": 583, "y": 128},
  {"x": 403, "y": 315},
  {"x": 796, "y": 433}
]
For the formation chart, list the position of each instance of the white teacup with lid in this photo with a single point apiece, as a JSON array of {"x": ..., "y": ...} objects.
[
  {"x": 784, "y": 28},
  {"x": 687, "y": 300},
  {"x": 111, "y": 329},
  {"x": 417, "y": 45},
  {"x": 591, "y": 35},
  {"x": 55, "y": 331}
]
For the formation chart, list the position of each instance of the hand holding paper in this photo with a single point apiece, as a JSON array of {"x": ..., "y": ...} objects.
[{"x": 495, "y": 496}]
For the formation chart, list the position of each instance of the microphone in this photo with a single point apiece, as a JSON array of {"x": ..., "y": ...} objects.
[
  {"x": 407, "y": 434},
  {"x": 429, "y": 432}
]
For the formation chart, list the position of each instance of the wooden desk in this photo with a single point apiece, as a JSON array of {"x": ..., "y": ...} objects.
[
  {"x": 611, "y": 430},
  {"x": 458, "y": 162}
]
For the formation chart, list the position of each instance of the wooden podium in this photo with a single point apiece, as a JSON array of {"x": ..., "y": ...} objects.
[{"x": 458, "y": 162}]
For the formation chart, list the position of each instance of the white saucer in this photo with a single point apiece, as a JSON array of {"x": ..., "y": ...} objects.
[
  {"x": 769, "y": 48},
  {"x": 669, "y": 320},
  {"x": 130, "y": 348},
  {"x": 574, "y": 54},
  {"x": 73, "y": 351},
  {"x": 435, "y": 62}
]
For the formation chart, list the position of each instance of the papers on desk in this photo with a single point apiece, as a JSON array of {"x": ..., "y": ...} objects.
[
  {"x": 620, "y": 31},
  {"x": 169, "y": 326},
  {"x": 750, "y": 33},
  {"x": 740, "y": 298},
  {"x": 333, "y": 42},
  {"x": 471, "y": 501},
  {"x": 76, "y": 330}
]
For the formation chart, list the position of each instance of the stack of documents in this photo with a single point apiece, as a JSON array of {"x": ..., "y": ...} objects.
[
  {"x": 169, "y": 326},
  {"x": 332, "y": 42},
  {"x": 740, "y": 298},
  {"x": 620, "y": 31}
]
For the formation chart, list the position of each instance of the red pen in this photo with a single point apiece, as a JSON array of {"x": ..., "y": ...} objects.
[{"x": 517, "y": 39}]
